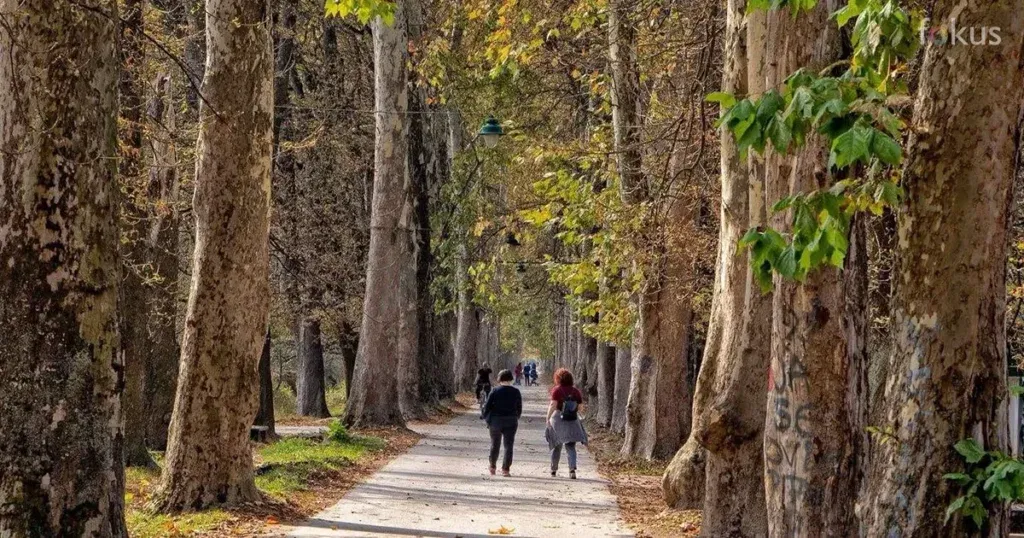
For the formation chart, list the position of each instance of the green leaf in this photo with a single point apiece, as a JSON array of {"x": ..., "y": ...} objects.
[
  {"x": 726, "y": 100},
  {"x": 780, "y": 134},
  {"x": 770, "y": 103},
  {"x": 785, "y": 265},
  {"x": 851, "y": 146},
  {"x": 970, "y": 450},
  {"x": 844, "y": 15},
  {"x": 959, "y": 478},
  {"x": 976, "y": 511},
  {"x": 887, "y": 150},
  {"x": 953, "y": 507}
]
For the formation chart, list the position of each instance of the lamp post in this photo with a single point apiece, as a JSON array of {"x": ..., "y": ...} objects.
[{"x": 491, "y": 131}]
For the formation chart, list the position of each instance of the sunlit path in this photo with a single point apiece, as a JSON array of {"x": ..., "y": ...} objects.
[{"x": 442, "y": 488}]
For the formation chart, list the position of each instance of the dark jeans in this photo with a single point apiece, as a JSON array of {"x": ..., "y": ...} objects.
[
  {"x": 503, "y": 435},
  {"x": 485, "y": 388}
]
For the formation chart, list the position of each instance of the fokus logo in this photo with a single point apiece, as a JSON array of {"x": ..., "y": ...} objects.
[{"x": 954, "y": 34}]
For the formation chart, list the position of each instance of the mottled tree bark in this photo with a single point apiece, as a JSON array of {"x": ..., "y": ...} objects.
[
  {"x": 162, "y": 240},
  {"x": 309, "y": 371},
  {"x": 265, "y": 414},
  {"x": 656, "y": 414},
  {"x": 811, "y": 430},
  {"x": 61, "y": 370},
  {"x": 208, "y": 457},
  {"x": 623, "y": 373},
  {"x": 947, "y": 374},
  {"x": 605, "y": 383},
  {"x": 382, "y": 363},
  {"x": 721, "y": 466}
]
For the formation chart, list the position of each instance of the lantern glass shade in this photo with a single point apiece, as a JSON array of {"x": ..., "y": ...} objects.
[{"x": 491, "y": 131}]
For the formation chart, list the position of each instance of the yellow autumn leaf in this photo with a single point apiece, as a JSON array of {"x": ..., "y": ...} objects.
[{"x": 501, "y": 530}]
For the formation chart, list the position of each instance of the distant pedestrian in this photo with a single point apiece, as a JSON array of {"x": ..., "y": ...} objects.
[
  {"x": 533, "y": 373},
  {"x": 565, "y": 427},
  {"x": 519, "y": 373},
  {"x": 483, "y": 383},
  {"x": 502, "y": 410}
]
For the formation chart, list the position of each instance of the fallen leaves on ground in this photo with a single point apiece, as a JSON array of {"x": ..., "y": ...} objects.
[
  {"x": 501, "y": 530},
  {"x": 636, "y": 485}
]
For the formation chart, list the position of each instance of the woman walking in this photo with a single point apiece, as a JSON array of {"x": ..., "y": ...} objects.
[
  {"x": 502, "y": 410},
  {"x": 564, "y": 425}
]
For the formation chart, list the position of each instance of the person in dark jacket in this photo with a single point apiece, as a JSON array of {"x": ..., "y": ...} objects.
[
  {"x": 502, "y": 410},
  {"x": 483, "y": 383}
]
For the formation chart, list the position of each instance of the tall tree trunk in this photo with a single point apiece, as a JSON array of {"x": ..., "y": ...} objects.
[
  {"x": 811, "y": 430},
  {"x": 135, "y": 305},
  {"x": 623, "y": 373},
  {"x": 605, "y": 383},
  {"x": 162, "y": 241},
  {"x": 587, "y": 369},
  {"x": 349, "y": 341},
  {"x": 208, "y": 457},
  {"x": 466, "y": 342},
  {"x": 656, "y": 414},
  {"x": 61, "y": 371},
  {"x": 947, "y": 374},
  {"x": 721, "y": 466},
  {"x": 383, "y": 358},
  {"x": 265, "y": 414},
  {"x": 625, "y": 97},
  {"x": 425, "y": 166},
  {"x": 309, "y": 371},
  {"x": 468, "y": 317}
]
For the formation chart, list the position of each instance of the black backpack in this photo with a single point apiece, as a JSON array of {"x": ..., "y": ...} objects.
[{"x": 570, "y": 410}]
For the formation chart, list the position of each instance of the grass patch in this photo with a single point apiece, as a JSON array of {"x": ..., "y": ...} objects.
[
  {"x": 336, "y": 399},
  {"x": 286, "y": 406},
  {"x": 289, "y": 465},
  {"x": 143, "y": 524},
  {"x": 284, "y": 467}
]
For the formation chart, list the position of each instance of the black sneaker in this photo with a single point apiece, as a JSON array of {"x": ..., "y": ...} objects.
[
  {"x": 554, "y": 474},
  {"x": 572, "y": 475}
]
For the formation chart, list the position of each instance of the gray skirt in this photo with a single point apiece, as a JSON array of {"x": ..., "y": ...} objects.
[{"x": 561, "y": 431}]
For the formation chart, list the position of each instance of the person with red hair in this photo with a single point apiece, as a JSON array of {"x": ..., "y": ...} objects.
[{"x": 565, "y": 427}]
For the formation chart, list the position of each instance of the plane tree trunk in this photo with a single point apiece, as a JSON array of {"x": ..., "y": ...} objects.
[
  {"x": 813, "y": 425},
  {"x": 309, "y": 382},
  {"x": 162, "y": 241},
  {"x": 605, "y": 383},
  {"x": 721, "y": 466},
  {"x": 947, "y": 373},
  {"x": 61, "y": 369},
  {"x": 265, "y": 414},
  {"x": 623, "y": 372},
  {"x": 208, "y": 456},
  {"x": 383, "y": 356}
]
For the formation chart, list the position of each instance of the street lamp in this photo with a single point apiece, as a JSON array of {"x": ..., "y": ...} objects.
[{"x": 491, "y": 131}]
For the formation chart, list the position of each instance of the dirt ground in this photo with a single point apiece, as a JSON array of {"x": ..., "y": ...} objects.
[{"x": 637, "y": 486}]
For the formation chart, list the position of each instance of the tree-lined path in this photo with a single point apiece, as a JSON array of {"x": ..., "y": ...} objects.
[{"x": 441, "y": 488}]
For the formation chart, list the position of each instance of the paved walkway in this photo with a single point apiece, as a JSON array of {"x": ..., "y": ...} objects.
[{"x": 441, "y": 488}]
